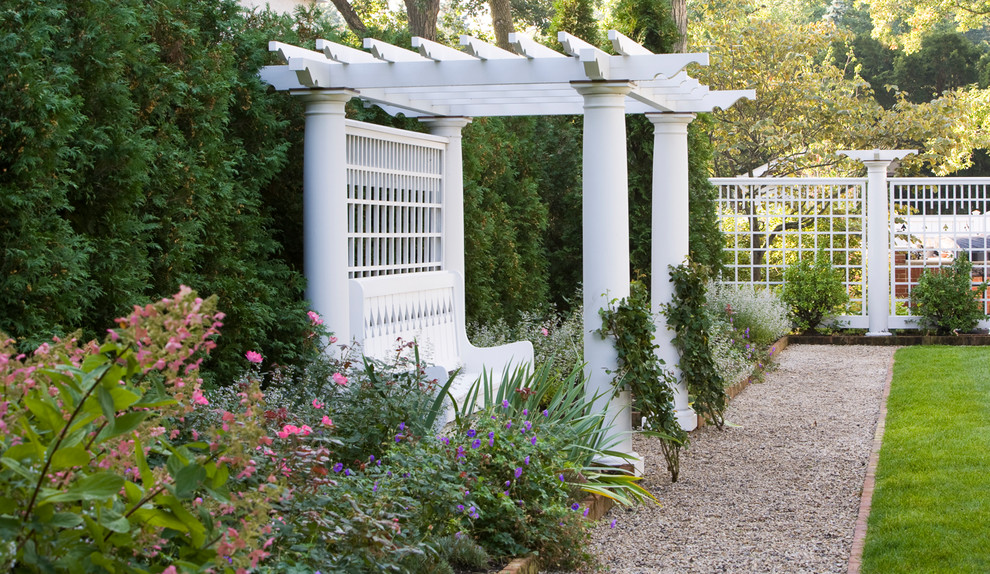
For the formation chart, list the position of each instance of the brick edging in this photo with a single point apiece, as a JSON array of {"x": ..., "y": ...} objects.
[{"x": 869, "y": 483}]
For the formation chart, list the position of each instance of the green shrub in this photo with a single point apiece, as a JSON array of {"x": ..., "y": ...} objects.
[
  {"x": 814, "y": 291},
  {"x": 945, "y": 299},
  {"x": 630, "y": 322},
  {"x": 759, "y": 314}
]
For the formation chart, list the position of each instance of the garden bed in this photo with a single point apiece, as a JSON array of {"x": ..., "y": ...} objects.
[{"x": 978, "y": 339}]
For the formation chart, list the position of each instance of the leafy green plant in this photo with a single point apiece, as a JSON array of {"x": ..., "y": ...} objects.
[
  {"x": 945, "y": 298},
  {"x": 813, "y": 291},
  {"x": 641, "y": 370},
  {"x": 686, "y": 316},
  {"x": 99, "y": 472}
]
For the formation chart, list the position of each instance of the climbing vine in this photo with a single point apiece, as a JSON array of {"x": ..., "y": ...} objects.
[
  {"x": 686, "y": 316},
  {"x": 630, "y": 322}
]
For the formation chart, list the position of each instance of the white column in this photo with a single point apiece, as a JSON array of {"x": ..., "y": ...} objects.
[
  {"x": 877, "y": 235},
  {"x": 605, "y": 208},
  {"x": 325, "y": 208},
  {"x": 670, "y": 239},
  {"x": 453, "y": 190}
]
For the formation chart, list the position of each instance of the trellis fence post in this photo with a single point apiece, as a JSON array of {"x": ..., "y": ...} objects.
[{"x": 877, "y": 235}]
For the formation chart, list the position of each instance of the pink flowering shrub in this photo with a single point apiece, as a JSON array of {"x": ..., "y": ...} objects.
[{"x": 100, "y": 471}]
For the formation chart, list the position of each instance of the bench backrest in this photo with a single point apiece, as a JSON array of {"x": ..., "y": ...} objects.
[{"x": 414, "y": 306}]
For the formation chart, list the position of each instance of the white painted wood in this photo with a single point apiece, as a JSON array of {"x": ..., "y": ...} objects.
[
  {"x": 605, "y": 220},
  {"x": 345, "y": 54},
  {"x": 596, "y": 63},
  {"x": 389, "y": 53},
  {"x": 286, "y": 51},
  {"x": 439, "y": 52},
  {"x": 530, "y": 48},
  {"x": 389, "y": 310},
  {"x": 669, "y": 242},
  {"x": 573, "y": 45},
  {"x": 485, "y": 51},
  {"x": 626, "y": 47}
]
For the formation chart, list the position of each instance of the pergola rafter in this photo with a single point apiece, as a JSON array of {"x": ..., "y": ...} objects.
[
  {"x": 445, "y": 87},
  {"x": 485, "y": 80}
]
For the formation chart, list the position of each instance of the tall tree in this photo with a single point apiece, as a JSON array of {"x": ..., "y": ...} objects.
[{"x": 905, "y": 23}]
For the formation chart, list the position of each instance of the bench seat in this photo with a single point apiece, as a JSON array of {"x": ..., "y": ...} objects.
[{"x": 427, "y": 307}]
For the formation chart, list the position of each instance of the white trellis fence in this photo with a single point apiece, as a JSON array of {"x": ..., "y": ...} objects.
[{"x": 922, "y": 223}]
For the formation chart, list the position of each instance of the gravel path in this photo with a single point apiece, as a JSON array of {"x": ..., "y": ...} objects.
[{"x": 779, "y": 492}]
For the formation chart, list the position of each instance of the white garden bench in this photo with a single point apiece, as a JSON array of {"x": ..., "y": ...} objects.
[{"x": 425, "y": 307}]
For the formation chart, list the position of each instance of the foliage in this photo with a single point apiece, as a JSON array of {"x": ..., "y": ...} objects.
[
  {"x": 507, "y": 264},
  {"x": 136, "y": 144},
  {"x": 760, "y": 313},
  {"x": 928, "y": 511},
  {"x": 686, "y": 316},
  {"x": 906, "y": 23},
  {"x": 806, "y": 109},
  {"x": 641, "y": 371},
  {"x": 99, "y": 471},
  {"x": 944, "y": 62},
  {"x": 945, "y": 298},
  {"x": 651, "y": 25},
  {"x": 557, "y": 338},
  {"x": 813, "y": 291}
]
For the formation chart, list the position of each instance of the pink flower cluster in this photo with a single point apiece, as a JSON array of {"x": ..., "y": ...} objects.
[{"x": 289, "y": 430}]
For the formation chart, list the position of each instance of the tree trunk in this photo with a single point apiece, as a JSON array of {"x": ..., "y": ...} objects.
[
  {"x": 502, "y": 22},
  {"x": 351, "y": 17},
  {"x": 678, "y": 9},
  {"x": 423, "y": 18}
]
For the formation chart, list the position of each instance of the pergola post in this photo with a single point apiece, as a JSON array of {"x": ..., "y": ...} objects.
[
  {"x": 325, "y": 207},
  {"x": 605, "y": 208},
  {"x": 670, "y": 239},
  {"x": 453, "y": 190}
]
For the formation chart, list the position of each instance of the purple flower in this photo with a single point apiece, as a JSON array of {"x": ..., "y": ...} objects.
[
  {"x": 546, "y": 413},
  {"x": 476, "y": 443},
  {"x": 507, "y": 483},
  {"x": 613, "y": 524},
  {"x": 575, "y": 506},
  {"x": 505, "y": 403},
  {"x": 347, "y": 472},
  {"x": 467, "y": 493},
  {"x": 338, "y": 467},
  {"x": 506, "y": 493},
  {"x": 402, "y": 426},
  {"x": 460, "y": 451},
  {"x": 525, "y": 412},
  {"x": 491, "y": 442},
  {"x": 508, "y": 425},
  {"x": 458, "y": 534},
  {"x": 518, "y": 471},
  {"x": 586, "y": 511},
  {"x": 491, "y": 434},
  {"x": 375, "y": 487},
  {"x": 398, "y": 438},
  {"x": 532, "y": 441},
  {"x": 445, "y": 440},
  {"x": 371, "y": 458},
  {"x": 526, "y": 460},
  {"x": 561, "y": 477},
  {"x": 460, "y": 508},
  {"x": 528, "y": 425},
  {"x": 471, "y": 433}
]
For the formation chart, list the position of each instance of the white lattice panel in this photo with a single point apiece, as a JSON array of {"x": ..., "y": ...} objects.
[
  {"x": 932, "y": 220},
  {"x": 770, "y": 223},
  {"x": 395, "y": 201}
]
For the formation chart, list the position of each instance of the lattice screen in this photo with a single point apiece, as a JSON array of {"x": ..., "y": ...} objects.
[
  {"x": 770, "y": 223},
  {"x": 932, "y": 220},
  {"x": 395, "y": 201}
]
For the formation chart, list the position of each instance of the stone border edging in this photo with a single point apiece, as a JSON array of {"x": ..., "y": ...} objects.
[
  {"x": 892, "y": 340},
  {"x": 869, "y": 483}
]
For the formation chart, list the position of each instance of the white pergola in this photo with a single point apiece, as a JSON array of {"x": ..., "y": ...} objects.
[{"x": 445, "y": 87}]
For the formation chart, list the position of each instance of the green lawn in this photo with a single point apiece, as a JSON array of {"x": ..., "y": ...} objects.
[{"x": 931, "y": 506}]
